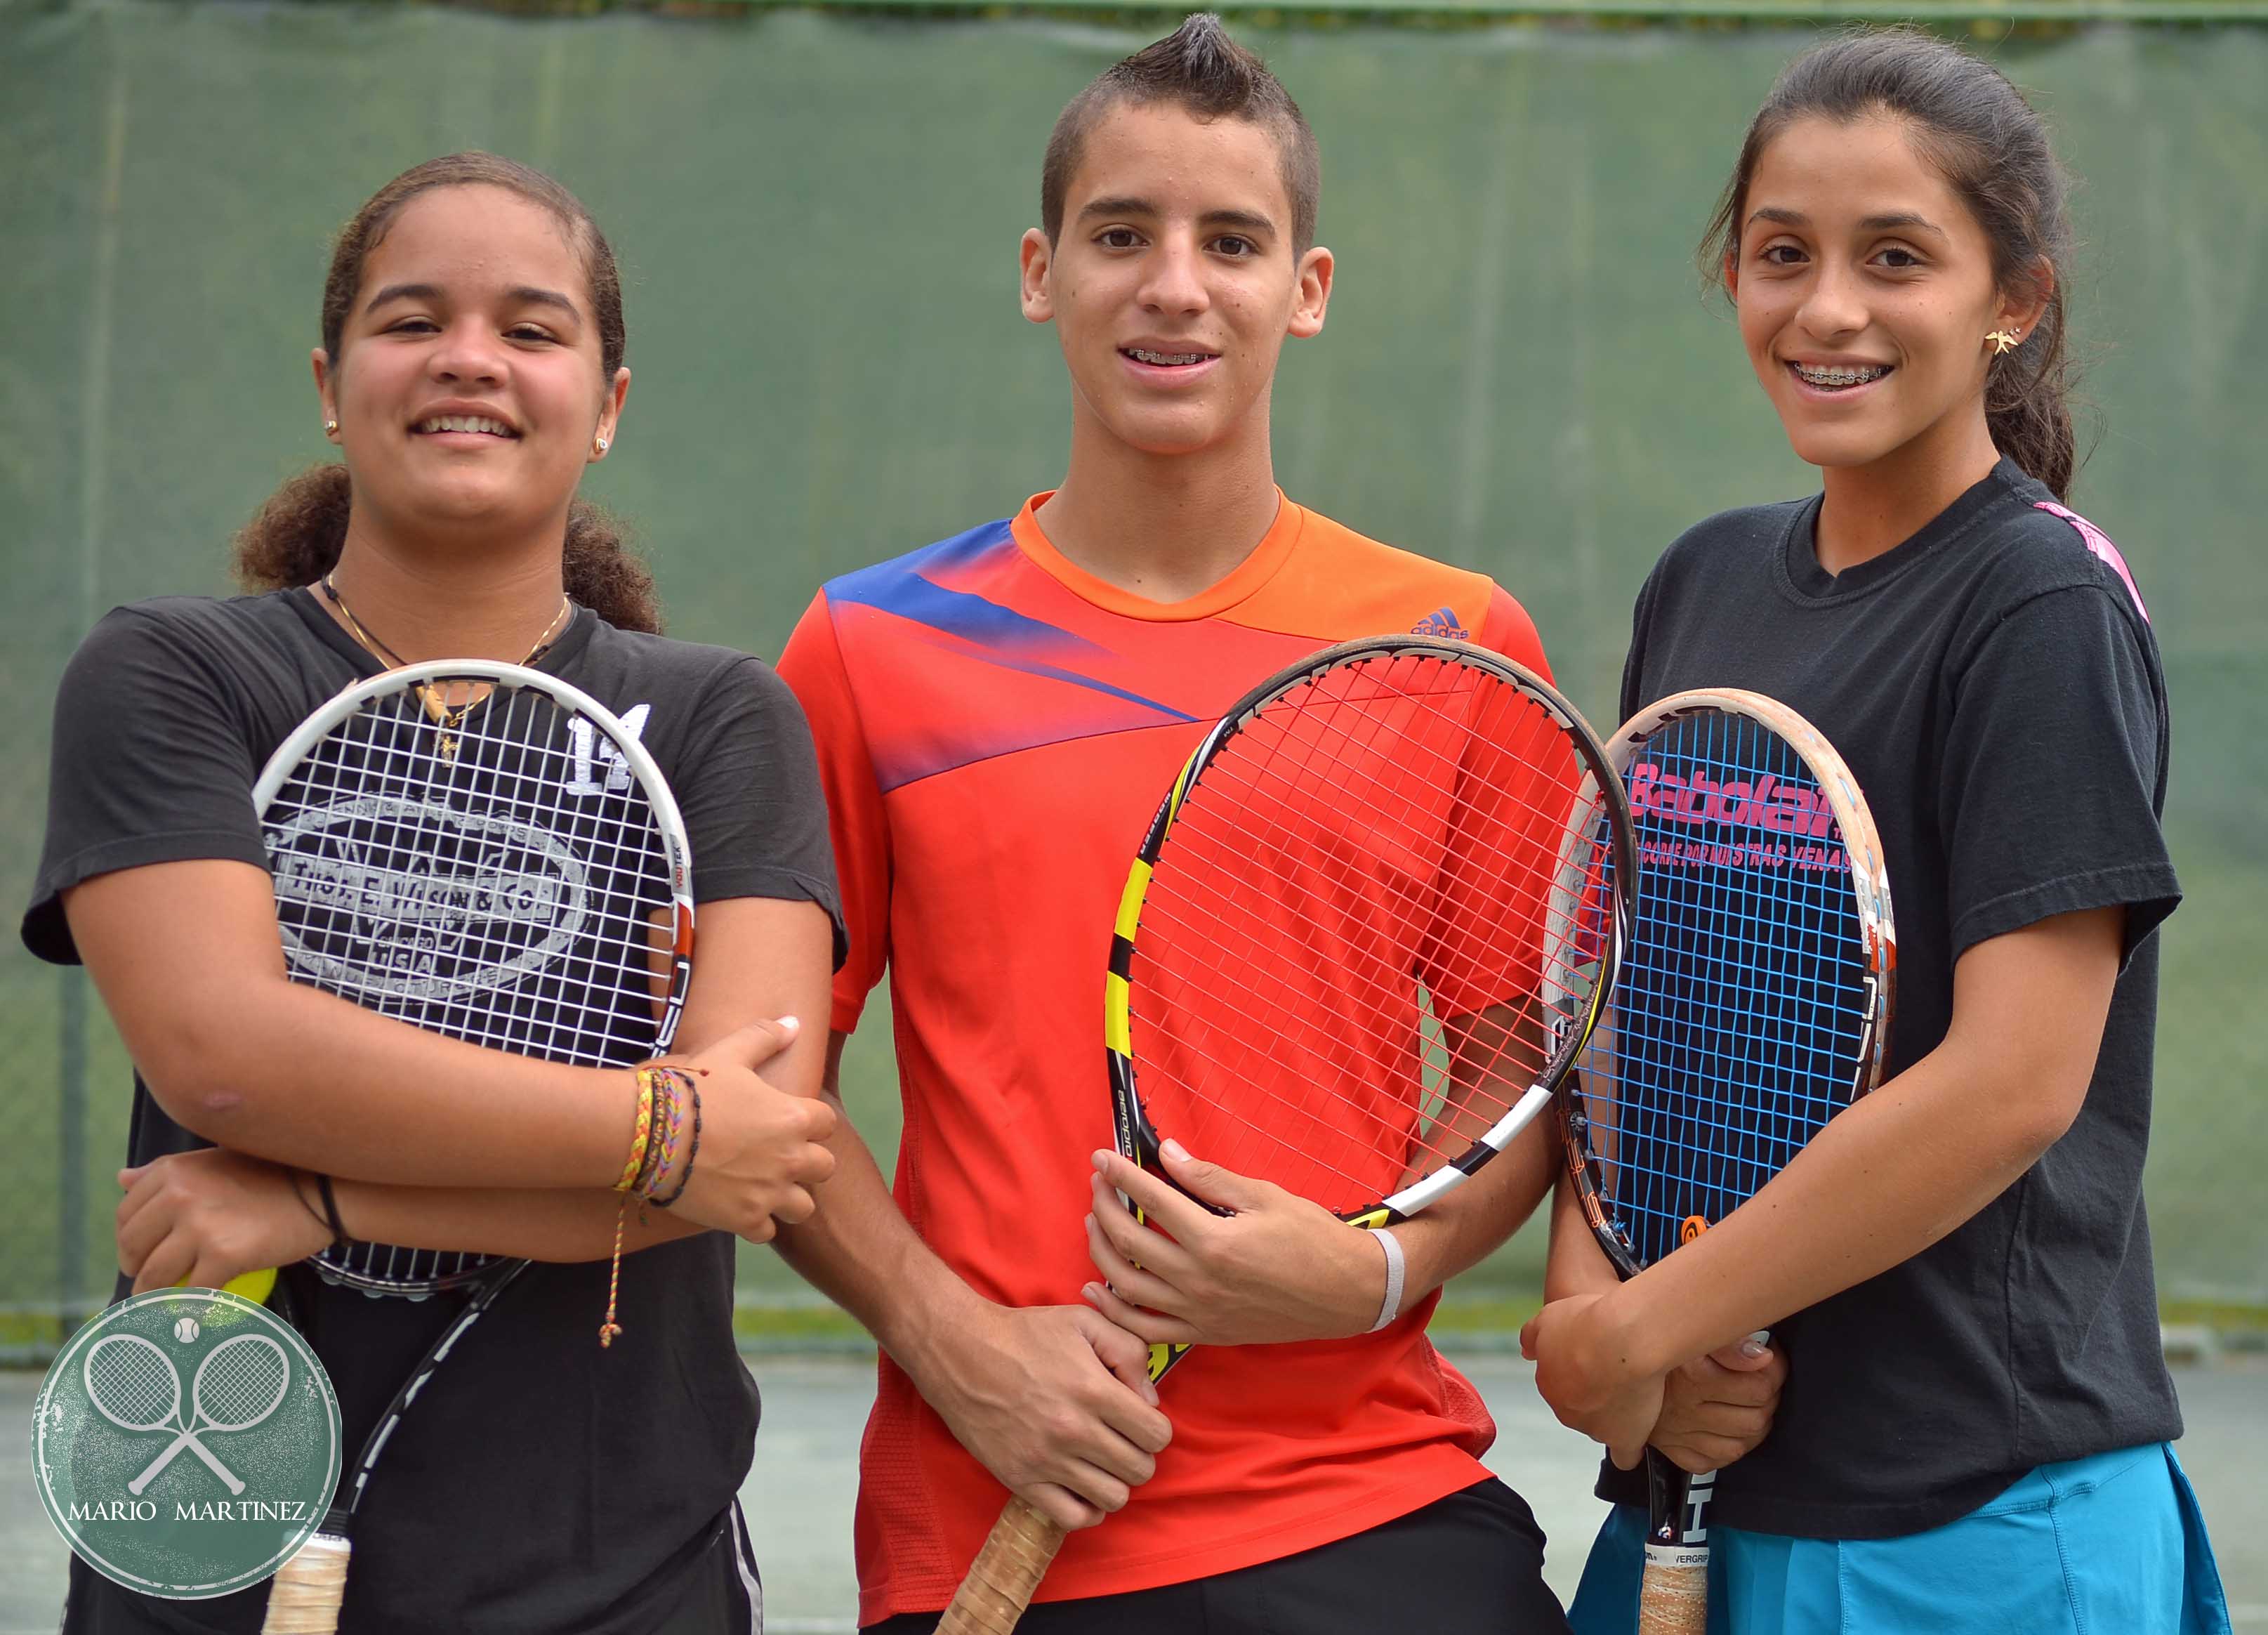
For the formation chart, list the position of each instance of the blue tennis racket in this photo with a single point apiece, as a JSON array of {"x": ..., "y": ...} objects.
[{"x": 1752, "y": 1006}]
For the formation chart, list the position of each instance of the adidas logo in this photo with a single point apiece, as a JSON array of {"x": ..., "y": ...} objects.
[{"x": 1441, "y": 622}]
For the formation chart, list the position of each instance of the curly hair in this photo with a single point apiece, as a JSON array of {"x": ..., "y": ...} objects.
[{"x": 295, "y": 537}]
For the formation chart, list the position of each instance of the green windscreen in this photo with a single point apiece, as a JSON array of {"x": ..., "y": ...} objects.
[{"x": 817, "y": 216}]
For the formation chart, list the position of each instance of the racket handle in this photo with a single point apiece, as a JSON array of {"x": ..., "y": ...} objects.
[
  {"x": 1673, "y": 1601},
  {"x": 1005, "y": 1574},
  {"x": 304, "y": 1599}
]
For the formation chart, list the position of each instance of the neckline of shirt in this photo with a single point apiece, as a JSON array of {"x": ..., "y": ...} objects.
[
  {"x": 1257, "y": 568},
  {"x": 303, "y": 601},
  {"x": 1803, "y": 577}
]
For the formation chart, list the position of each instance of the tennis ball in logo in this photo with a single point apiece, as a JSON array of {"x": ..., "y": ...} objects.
[{"x": 186, "y": 1443}]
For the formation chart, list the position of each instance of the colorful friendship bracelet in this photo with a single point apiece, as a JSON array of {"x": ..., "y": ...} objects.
[
  {"x": 692, "y": 1150},
  {"x": 641, "y": 1131},
  {"x": 669, "y": 1093},
  {"x": 663, "y": 1092}
]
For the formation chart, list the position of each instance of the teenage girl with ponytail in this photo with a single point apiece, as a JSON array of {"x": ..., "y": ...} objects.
[
  {"x": 1974, "y": 1433},
  {"x": 471, "y": 367}
]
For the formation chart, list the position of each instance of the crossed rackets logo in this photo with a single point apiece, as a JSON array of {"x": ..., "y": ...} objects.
[
  {"x": 239, "y": 1384},
  {"x": 167, "y": 1381}
]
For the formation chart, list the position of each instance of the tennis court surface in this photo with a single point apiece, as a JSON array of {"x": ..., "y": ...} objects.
[{"x": 799, "y": 1494}]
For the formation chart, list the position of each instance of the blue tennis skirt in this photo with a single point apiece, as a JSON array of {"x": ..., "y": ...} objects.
[{"x": 2112, "y": 1544}]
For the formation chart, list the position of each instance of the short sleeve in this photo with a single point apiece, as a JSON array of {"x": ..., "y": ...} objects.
[
  {"x": 150, "y": 762},
  {"x": 813, "y": 666},
  {"x": 1509, "y": 631},
  {"x": 750, "y": 795},
  {"x": 2053, "y": 773},
  {"x": 1634, "y": 661}
]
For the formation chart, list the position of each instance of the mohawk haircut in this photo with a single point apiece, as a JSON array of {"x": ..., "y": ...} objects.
[{"x": 1200, "y": 69}]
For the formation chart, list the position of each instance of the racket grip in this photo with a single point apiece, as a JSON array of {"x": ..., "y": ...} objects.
[
  {"x": 1005, "y": 1574},
  {"x": 1673, "y": 1601},
  {"x": 305, "y": 1597}
]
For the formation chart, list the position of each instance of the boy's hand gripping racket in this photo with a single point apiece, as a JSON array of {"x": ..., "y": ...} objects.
[
  {"x": 1752, "y": 1006},
  {"x": 484, "y": 850},
  {"x": 1365, "y": 937}
]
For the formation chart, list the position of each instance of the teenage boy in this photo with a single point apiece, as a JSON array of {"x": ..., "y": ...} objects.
[{"x": 997, "y": 715}]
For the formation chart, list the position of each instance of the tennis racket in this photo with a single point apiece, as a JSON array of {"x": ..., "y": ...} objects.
[
  {"x": 1753, "y": 1005},
  {"x": 1365, "y": 938},
  {"x": 484, "y": 850}
]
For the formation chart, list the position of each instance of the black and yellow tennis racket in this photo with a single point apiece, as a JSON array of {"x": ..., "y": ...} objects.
[{"x": 1365, "y": 937}]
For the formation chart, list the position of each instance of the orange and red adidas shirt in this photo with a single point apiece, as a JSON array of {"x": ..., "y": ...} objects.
[{"x": 995, "y": 728}]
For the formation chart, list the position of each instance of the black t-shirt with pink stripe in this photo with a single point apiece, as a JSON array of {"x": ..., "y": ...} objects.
[{"x": 1995, "y": 686}]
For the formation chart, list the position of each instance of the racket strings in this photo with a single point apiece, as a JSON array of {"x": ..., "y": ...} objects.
[
  {"x": 1278, "y": 838},
  {"x": 1369, "y": 838},
  {"x": 495, "y": 879},
  {"x": 1268, "y": 1010},
  {"x": 1356, "y": 867},
  {"x": 615, "y": 943},
  {"x": 1361, "y": 923},
  {"x": 421, "y": 828},
  {"x": 527, "y": 774},
  {"x": 1740, "y": 1012}
]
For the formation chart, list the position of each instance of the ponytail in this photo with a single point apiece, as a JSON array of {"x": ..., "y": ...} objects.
[{"x": 2027, "y": 402}]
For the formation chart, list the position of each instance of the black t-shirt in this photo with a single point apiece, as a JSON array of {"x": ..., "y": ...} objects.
[
  {"x": 1994, "y": 685},
  {"x": 540, "y": 1482}
]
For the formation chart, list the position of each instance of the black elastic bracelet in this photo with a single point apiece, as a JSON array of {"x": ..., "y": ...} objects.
[
  {"x": 339, "y": 1239},
  {"x": 692, "y": 1150},
  {"x": 299, "y": 1175}
]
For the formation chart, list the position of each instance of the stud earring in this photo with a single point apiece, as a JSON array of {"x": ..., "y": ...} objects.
[
  {"x": 2003, "y": 340},
  {"x": 601, "y": 445},
  {"x": 330, "y": 428}
]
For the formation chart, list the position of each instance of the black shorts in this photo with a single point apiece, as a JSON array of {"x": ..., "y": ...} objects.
[{"x": 1471, "y": 1563}]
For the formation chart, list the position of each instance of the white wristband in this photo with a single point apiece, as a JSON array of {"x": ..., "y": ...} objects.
[{"x": 1390, "y": 1308}]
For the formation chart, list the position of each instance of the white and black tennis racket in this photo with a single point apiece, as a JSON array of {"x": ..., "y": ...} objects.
[
  {"x": 1364, "y": 938},
  {"x": 486, "y": 852},
  {"x": 1753, "y": 1005}
]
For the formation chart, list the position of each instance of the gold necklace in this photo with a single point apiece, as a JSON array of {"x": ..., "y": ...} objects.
[{"x": 449, "y": 719}]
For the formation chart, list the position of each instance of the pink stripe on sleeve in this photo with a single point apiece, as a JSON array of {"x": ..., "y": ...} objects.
[{"x": 2099, "y": 542}]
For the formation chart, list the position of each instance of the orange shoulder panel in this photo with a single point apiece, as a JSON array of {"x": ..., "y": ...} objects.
[{"x": 1339, "y": 586}]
